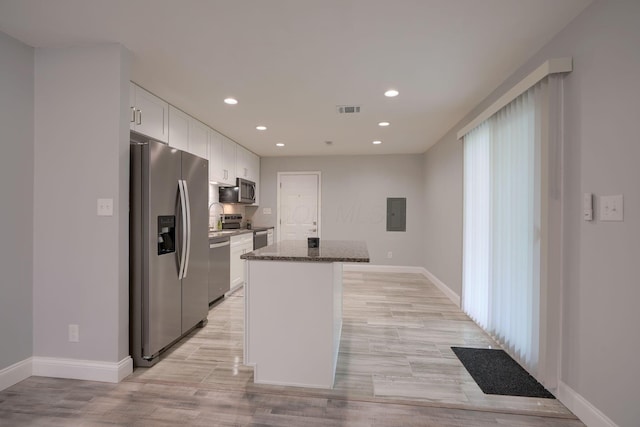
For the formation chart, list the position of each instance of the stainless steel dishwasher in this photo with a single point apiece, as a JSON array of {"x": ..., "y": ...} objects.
[
  {"x": 219, "y": 267},
  {"x": 259, "y": 239}
]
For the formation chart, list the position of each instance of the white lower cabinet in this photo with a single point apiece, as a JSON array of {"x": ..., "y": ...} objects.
[{"x": 240, "y": 245}]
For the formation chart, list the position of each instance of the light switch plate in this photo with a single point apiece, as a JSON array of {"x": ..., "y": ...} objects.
[
  {"x": 74, "y": 333},
  {"x": 105, "y": 207},
  {"x": 612, "y": 208},
  {"x": 587, "y": 207},
  {"x": 266, "y": 211}
]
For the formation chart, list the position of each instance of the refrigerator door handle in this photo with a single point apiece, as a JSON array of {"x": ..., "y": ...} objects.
[
  {"x": 188, "y": 217},
  {"x": 183, "y": 251}
]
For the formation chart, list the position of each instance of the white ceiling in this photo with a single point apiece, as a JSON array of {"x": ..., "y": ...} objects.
[{"x": 291, "y": 62}]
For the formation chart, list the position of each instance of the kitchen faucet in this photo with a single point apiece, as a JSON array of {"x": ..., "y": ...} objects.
[{"x": 222, "y": 206}]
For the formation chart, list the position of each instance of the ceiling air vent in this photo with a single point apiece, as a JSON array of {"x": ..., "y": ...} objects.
[{"x": 348, "y": 109}]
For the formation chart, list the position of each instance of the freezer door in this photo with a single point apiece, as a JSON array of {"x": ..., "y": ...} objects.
[
  {"x": 195, "y": 288},
  {"x": 162, "y": 291}
]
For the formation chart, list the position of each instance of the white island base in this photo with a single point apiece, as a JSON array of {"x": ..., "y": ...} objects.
[{"x": 293, "y": 321}]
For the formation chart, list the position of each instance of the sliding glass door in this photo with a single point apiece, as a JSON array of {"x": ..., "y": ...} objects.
[{"x": 502, "y": 225}]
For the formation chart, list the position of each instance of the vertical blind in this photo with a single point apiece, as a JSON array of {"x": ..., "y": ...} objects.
[{"x": 501, "y": 252}]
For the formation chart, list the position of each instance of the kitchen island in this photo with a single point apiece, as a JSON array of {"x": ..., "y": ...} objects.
[{"x": 293, "y": 310}]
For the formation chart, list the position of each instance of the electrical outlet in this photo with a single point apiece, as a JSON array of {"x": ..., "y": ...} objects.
[
  {"x": 389, "y": 254},
  {"x": 74, "y": 333},
  {"x": 105, "y": 207},
  {"x": 612, "y": 208},
  {"x": 266, "y": 211}
]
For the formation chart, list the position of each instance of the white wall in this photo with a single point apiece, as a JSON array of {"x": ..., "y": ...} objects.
[
  {"x": 354, "y": 194},
  {"x": 81, "y": 154},
  {"x": 443, "y": 212},
  {"x": 16, "y": 193},
  {"x": 601, "y": 288},
  {"x": 602, "y": 148}
]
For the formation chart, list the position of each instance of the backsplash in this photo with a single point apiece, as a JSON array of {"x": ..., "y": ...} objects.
[{"x": 216, "y": 209}]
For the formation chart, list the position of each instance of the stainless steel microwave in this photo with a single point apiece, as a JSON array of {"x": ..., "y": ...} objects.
[{"x": 243, "y": 192}]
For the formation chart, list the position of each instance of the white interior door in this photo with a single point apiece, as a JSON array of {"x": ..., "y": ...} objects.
[{"x": 299, "y": 205}]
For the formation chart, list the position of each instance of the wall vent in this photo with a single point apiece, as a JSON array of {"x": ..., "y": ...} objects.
[{"x": 348, "y": 109}]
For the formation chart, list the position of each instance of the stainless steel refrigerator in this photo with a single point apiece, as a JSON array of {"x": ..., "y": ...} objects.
[{"x": 168, "y": 247}]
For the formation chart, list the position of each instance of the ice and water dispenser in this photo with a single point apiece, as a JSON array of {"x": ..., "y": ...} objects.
[{"x": 166, "y": 234}]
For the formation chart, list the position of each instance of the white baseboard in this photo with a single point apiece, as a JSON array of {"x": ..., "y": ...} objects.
[
  {"x": 82, "y": 369},
  {"x": 232, "y": 290},
  {"x": 15, "y": 373},
  {"x": 455, "y": 298},
  {"x": 382, "y": 268},
  {"x": 588, "y": 414}
]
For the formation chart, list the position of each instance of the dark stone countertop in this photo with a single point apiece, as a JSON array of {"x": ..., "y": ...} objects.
[
  {"x": 296, "y": 250},
  {"x": 254, "y": 228},
  {"x": 221, "y": 234}
]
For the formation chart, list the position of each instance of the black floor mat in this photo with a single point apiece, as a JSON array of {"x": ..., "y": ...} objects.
[{"x": 496, "y": 372}]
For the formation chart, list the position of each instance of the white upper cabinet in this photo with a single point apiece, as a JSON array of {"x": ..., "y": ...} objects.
[
  {"x": 242, "y": 167},
  {"x": 198, "y": 138},
  {"x": 222, "y": 159},
  {"x": 187, "y": 133},
  {"x": 254, "y": 174},
  {"x": 248, "y": 167},
  {"x": 157, "y": 119},
  {"x": 247, "y": 164},
  {"x": 216, "y": 173},
  {"x": 148, "y": 113},
  {"x": 229, "y": 160},
  {"x": 253, "y": 165},
  {"x": 178, "y": 129}
]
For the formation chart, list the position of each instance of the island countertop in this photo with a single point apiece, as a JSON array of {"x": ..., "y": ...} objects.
[{"x": 296, "y": 250}]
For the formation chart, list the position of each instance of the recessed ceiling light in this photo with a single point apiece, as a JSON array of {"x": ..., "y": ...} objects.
[
  {"x": 377, "y": 142},
  {"x": 260, "y": 127},
  {"x": 279, "y": 144},
  {"x": 383, "y": 124},
  {"x": 391, "y": 93},
  {"x": 231, "y": 101}
]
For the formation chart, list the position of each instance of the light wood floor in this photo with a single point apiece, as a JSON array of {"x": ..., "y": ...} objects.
[{"x": 395, "y": 368}]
